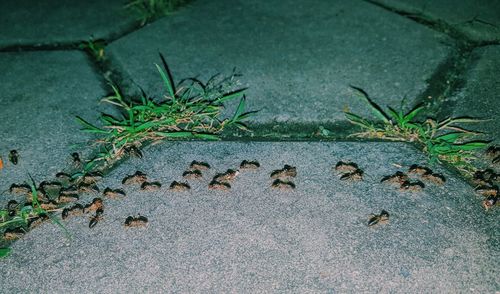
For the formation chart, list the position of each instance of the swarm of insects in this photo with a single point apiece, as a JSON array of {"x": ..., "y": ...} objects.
[
  {"x": 228, "y": 176},
  {"x": 88, "y": 188},
  {"x": 13, "y": 233},
  {"x": 67, "y": 198},
  {"x": 36, "y": 221},
  {"x": 249, "y": 165},
  {"x": 137, "y": 178},
  {"x": 381, "y": 218},
  {"x": 179, "y": 187},
  {"x": 92, "y": 178},
  {"x": 136, "y": 221},
  {"x": 95, "y": 205},
  {"x": 22, "y": 189},
  {"x": 485, "y": 177}
]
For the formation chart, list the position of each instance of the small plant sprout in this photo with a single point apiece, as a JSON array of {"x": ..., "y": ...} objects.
[
  {"x": 442, "y": 140},
  {"x": 94, "y": 48},
  {"x": 148, "y": 10},
  {"x": 189, "y": 111}
]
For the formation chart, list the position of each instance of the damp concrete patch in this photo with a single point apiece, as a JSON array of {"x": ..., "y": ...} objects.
[
  {"x": 478, "y": 20},
  {"x": 53, "y": 22},
  {"x": 255, "y": 238},
  {"x": 298, "y": 59},
  {"x": 41, "y": 93}
]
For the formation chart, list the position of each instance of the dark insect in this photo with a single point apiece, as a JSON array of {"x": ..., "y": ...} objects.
[
  {"x": 136, "y": 221},
  {"x": 14, "y": 157},
  {"x": 286, "y": 172},
  {"x": 249, "y": 165},
  {"x": 76, "y": 158},
  {"x": 95, "y": 205},
  {"x": 77, "y": 209},
  {"x": 343, "y": 166},
  {"x": 283, "y": 185},
  {"x": 192, "y": 174},
  {"x": 24, "y": 189},
  {"x": 67, "y": 198},
  {"x": 416, "y": 186},
  {"x": 113, "y": 193},
  {"x": 13, "y": 233},
  {"x": 435, "y": 178},
  {"x": 49, "y": 205},
  {"x": 179, "y": 187},
  {"x": 12, "y": 206},
  {"x": 223, "y": 186},
  {"x": 490, "y": 202},
  {"x": 381, "y": 218},
  {"x": 92, "y": 178},
  {"x": 36, "y": 221},
  {"x": 150, "y": 186},
  {"x": 199, "y": 165},
  {"x": 133, "y": 151},
  {"x": 228, "y": 176},
  {"x": 493, "y": 151},
  {"x": 496, "y": 160},
  {"x": 88, "y": 188},
  {"x": 63, "y": 176},
  {"x": 488, "y": 191},
  {"x": 419, "y": 170},
  {"x": 397, "y": 178},
  {"x": 356, "y": 175},
  {"x": 137, "y": 178},
  {"x": 96, "y": 218}
]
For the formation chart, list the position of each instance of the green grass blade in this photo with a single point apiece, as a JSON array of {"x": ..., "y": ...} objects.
[
  {"x": 4, "y": 252},
  {"x": 207, "y": 136},
  {"x": 89, "y": 127},
  {"x": 230, "y": 96},
  {"x": 410, "y": 115},
  {"x": 239, "y": 110},
  {"x": 379, "y": 113},
  {"x": 357, "y": 120},
  {"x": 449, "y": 138},
  {"x": 175, "y": 134},
  {"x": 167, "y": 77}
]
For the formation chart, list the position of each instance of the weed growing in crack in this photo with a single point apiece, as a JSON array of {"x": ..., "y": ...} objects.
[
  {"x": 94, "y": 48},
  {"x": 442, "y": 140},
  {"x": 148, "y": 10},
  {"x": 190, "y": 110}
]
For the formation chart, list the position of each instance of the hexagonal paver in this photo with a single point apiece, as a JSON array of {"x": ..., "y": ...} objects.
[
  {"x": 297, "y": 58},
  {"x": 480, "y": 95},
  {"x": 51, "y": 22},
  {"x": 254, "y": 238},
  {"x": 40, "y": 95},
  {"x": 478, "y": 20}
]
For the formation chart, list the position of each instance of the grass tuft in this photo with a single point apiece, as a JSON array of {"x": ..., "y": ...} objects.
[
  {"x": 191, "y": 110},
  {"x": 148, "y": 10},
  {"x": 443, "y": 140}
]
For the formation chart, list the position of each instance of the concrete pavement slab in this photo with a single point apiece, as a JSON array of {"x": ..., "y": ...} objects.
[
  {"x": 40, "y": 95},
  {"x": 297, "y": 58},
  {"x": 478, "y": 20},
  {"x": 480, "y": 95},
  {"x": 254, "y": 238},
  {"x": 52, "y": 22}
]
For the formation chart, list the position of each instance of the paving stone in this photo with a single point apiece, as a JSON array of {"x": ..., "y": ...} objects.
[
  {"x": 36, "y": 23},
  {"x": 479, "y": 97},
  {"x": 297, "y": 58},
  {"x": 478, "y": 20},
  {"x": 40, "y": 95},
  {"x": 254, "y": 238}
]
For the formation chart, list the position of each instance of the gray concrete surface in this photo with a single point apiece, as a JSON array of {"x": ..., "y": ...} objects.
[
  {"x": 479, "y": 97},
  {"x": 297, "y": 58},
  {"x": 41, "y": 93},
  {"x": 478, "y": 20},
  {"x": 257, "y": 239},
  {"x": 36, "y": 23}
]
